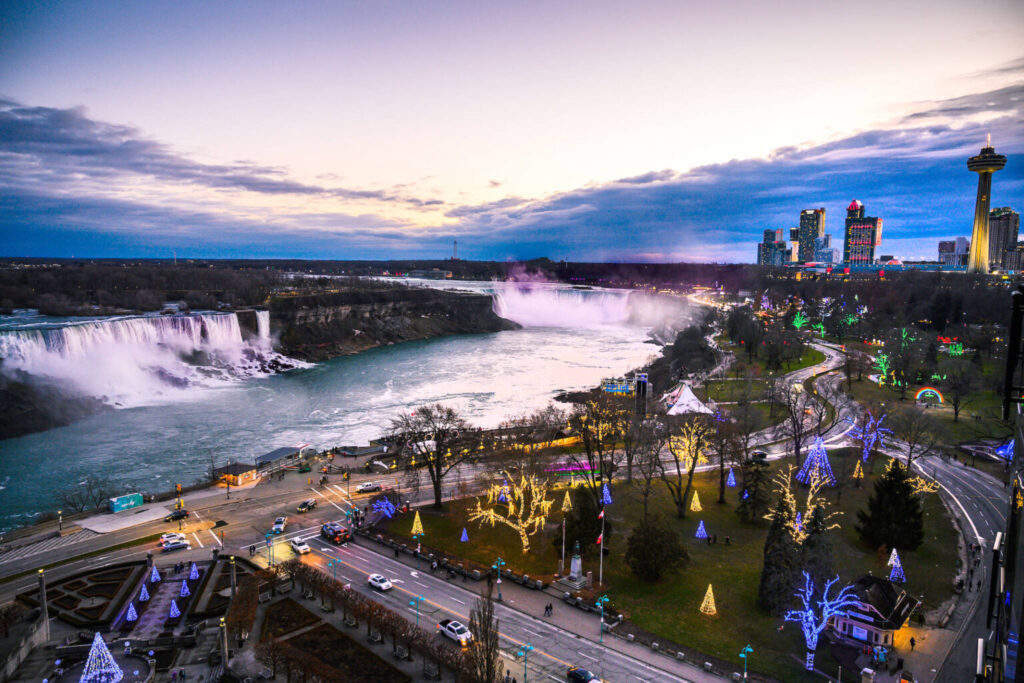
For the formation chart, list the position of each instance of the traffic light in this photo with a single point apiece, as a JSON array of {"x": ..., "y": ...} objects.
[
  {"x": 346, "y": 476},
  {"x": 177, "y": 487}
]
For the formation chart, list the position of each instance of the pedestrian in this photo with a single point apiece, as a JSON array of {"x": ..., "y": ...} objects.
[
  {"x": 715, "y": 538},
  {"x": 709, "y": 540},
  {"x": 727, "y": 541},
  {"x": 174, "y": 676},
  {"x": 396, "y": 551},
  {"x": 979, "y": 584},
  {"x": 912, "y": 643},
  {"x": 490, "y": 581},
  {"x": 508, "y": 677}
]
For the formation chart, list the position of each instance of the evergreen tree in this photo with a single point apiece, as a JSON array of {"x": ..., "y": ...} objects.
[
  {"x": 894, "y": 516},
  {"x": 816, "y": 551},
  {"x": 653, "y": 549},
  {"x": 754, "y": 494},
  {"x": 781, "y": 557},
  {"x": 582, "y": 524}
]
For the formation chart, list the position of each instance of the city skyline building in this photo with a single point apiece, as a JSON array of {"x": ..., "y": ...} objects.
[
  {"x": 954, "y": 252},
  {"x": 863, "y": 235},
  {"x": 1003, "y": 232},
  {"x": 985, "y": 163},
  {"x": 773, "y": 249},
  {"x": 824, "y": 252},
  {"x": 812, "y": 227}
]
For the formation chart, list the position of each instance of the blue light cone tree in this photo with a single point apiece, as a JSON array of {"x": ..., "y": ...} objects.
[
  {"x": 175, "y": 612},
  {"x": 896, "y": 574},
  {"x": 143, "y": 594},
  {"x": 132, "y": 614},
  {"x": 816, "y": 466},
  {"x": 100, "y": 666},
  {"x": 465, "y": 536},
  {"x": 815, "y": 615},
  {"x": 154, "y": 576},
  {"x": 701, "y": 531},
  {"x": 731, "y": 479},
  {"x": 193, "y": 573},
  {"x": 184, "y": 589},
  {"x": 606, "y": 495}
]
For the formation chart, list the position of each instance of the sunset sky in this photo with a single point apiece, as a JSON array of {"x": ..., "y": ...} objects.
[{"x": 656, "y": 131}]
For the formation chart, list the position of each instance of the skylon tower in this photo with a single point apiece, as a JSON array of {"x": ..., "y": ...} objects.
[{"x": 984, "y": 164}]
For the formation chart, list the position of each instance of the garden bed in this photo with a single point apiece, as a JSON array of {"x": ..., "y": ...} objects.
[
  {"x": 284, "y": 617},
  {"x": 335, "y": 649}
]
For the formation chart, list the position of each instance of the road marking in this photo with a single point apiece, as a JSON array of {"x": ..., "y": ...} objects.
[
  {"x": 593, "y": 659},
  {"x": 459, "y": 601},
  {"x": 197, "y": 540},
  {"x": 422, "y": 584},
  {"x": 215, "y": 537},
  {"x": 327, "y": 499}
]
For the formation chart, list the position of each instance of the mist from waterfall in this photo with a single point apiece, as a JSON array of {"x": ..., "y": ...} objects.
[{"x": 534, "y": 304}]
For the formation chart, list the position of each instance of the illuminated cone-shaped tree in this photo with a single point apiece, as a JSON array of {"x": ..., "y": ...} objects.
[
  {"x": 193, "y": 573},
  {"x": 524, "y": 508},
  {"x": 100, "y": 666},
  {"x": 816, "y": 466},
  {"x": 896, "y": 575},
  {"x": 893, "y": 558},
  {"x": 465, "y": 536},
  {"x": 606, "y": 495},
  {"x": 417, "y": 525},
  {"x": 708, "y": 606},
  {"x": 731, "y": 480},
  {"x": 143, "y": 594},
  {"x": 175, "y": 612},
  {"x": 695, "y": 503},
  {"x": 701, "y": 531},
  {"x": 815, "y": 615},
  {"x": 566, "y": 503},
  {"x": 132, "y": 615},
  {"x": 858, "y": 473},
  {"x": 154, "y": 576},
  {"x": 184, "y": 589}
]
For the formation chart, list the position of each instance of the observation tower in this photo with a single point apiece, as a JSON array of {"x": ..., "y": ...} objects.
[{"x": 984, "y": 164}]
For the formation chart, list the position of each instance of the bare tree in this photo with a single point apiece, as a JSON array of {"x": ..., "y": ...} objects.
[
  {"x": 796, "y": 405},
  {"x": 599, "y": 424},
  {"x": 89, "y": 494},
  {"x": 826, "y": 393},
  {"x": 484, "y": 663},
  {"x": 920, "y": 433},
  {"x": 687, "y": 444},
  {"x": 432, "y": 434},
  {"x": 747, "y": 417},
  {"x": 724, "y": 447},
  {"x": 652, "y": 437},
  {"x": 959, "y": 380}
]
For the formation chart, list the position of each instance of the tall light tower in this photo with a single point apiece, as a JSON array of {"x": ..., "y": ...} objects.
[{"x": 984, "y": 164}]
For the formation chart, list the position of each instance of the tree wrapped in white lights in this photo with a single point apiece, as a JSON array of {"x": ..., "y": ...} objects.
[
  {"x": 815, "y": 615},
  {"x": 100, "y": 666},
  {"x": 520, "y": 505}
]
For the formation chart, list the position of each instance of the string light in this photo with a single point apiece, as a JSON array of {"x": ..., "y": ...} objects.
[{"x": 815, "y": 616}]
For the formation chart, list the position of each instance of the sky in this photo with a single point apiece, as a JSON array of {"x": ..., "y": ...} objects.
[{"x": 591, "y": 130}]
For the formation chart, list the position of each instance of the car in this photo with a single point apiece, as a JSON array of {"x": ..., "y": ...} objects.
[
  {"x": 307, "y": 505},
  {"x": 335, "y": 533},
  {"x": 368, "y": 487},
  {"x": 176, "y": 515},
  {"x": 300, "y": 547},
  {"x": 279, "y": 523},
  {"x": 577, "y": 674},
  {"x": 173, "y": 536},
  {"x": 177, "y": 545},
  {"x": 456, "y": 631},
  {"x": 379, "y": 582}
]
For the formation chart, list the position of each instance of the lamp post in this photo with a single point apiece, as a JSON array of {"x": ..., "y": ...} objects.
[
  {"x": 524, "y": 652},
  {"x": 600, "y": 603},
  {"x": 743, "y": 655},
  {"x": 498, "y": 565},
  {"x": 270, "y": 550},
  {"x": 60, "y": 521},
  {"x": 415, "y": 602},
  {"x": 333, "y": 564}
]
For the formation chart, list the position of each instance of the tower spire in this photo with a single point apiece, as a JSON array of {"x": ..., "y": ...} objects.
[{"x": 988, "y": 139}]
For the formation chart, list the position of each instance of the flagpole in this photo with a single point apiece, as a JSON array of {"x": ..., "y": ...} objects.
[
  {"x": 600, "y": 570},
  {"x": 561, "y": 567}
]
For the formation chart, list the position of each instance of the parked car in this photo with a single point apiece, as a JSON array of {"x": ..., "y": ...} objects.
[
  {"x": 300, "y": 547},
  {"x": 173, "y": 536},
  {"x": 368, "y": 487},
  {"x": 335, "y": 533},
  {"x": 456, "y": 631},
  {"x": 576, "y": 674},
  {"x": 307, "y": 505},
  {"x": 379, "y": 582},
  {"x": 279, "y": 523},
  {"x": 177, "y": 545},
  {"x": 176, "y": 515}
]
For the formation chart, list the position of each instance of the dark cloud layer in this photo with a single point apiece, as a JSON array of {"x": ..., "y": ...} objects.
[{"x": 913, "y": 174}]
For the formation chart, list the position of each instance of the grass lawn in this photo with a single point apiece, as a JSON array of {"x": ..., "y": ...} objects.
[
  {"x": 728, "y": 390},
  {"x": 741, "y": 366},
  {"x": 670, "y": 608}
]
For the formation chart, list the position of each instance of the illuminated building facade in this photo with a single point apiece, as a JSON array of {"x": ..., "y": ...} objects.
[
  {"x": 812, "y": 227},
  {"x": 1003, "y": 231},
  {"x": 863, "y": 234}
]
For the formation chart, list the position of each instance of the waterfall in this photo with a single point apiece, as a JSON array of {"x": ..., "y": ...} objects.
[
  {"x": 139, "y": 360},
  {"x": 544, "y": 305}
]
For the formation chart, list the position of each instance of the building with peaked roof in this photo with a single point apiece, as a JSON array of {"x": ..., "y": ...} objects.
[
  {"x": 863, "y": 234},
  {"x": 882, "y": 609}
]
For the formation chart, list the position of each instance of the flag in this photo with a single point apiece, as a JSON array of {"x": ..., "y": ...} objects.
[
  {"x": 599, "y": 539},
  {"x": 600, "y": 515}
]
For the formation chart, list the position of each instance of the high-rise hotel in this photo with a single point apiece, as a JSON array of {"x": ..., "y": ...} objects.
[{"x": 863, "y": 234}]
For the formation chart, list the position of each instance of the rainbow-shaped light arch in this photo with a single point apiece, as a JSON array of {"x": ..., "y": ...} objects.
[{"x": 928, "y": 390}]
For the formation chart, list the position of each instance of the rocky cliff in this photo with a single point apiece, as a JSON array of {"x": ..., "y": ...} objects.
[{"x": 321, "y": 326}]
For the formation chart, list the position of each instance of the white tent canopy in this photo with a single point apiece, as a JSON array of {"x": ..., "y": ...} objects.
[{"x": 687, "y": 402}]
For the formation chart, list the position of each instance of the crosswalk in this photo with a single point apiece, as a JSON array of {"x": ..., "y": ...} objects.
[{"x": 46, "y": 545}]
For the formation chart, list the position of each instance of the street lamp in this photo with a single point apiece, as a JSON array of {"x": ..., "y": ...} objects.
[
  {"x": 524, "y": 652},
  {"x": 333, "y": 564},
  {"x": 415, "y": 602},
  {"x": 743, "y": 655},
  {"x": 270, "y": 550},
  {"x": 601, "y": 603},
  {"x": 60, "y": 521},
  {"x": 498, "y": 565}
]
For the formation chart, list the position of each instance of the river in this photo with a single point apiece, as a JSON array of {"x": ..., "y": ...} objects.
[{"x": 570, "y": 340}]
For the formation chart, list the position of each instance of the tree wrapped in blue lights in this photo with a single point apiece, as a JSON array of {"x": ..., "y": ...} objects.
[
  {"x": 465, "y": 536},
  {"x": 731, "y": 479},
  {"x": 815, "y": 615},
  {"x": 701, "y": 531},
  {"x": 798, "y": 523},
  {"x": 175, "y": 612},
  {"x": 154, "y": 576},
  {"x": 132, "y": 615},
  {"x": 100, "y": 666},
  {"x": 870, "y": 433},
  {"x": 816, "y": 467},
  {"x": 896, "y": 574},
  {"x": 606, "y": 495},
  {"x": 143, "y": 594},
  {"x": 385, "y": 507},
  {"x": 193, "y": 573},
  {"x": 184, "y": 589}
]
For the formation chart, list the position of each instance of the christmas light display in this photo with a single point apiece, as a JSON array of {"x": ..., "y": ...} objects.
[
  {"x": 819, "y": 328},
  {"x": 132, "y": 615},
  {"x": 731, "y": 479},
  {"x": 465, "y": 536},
  {"x": 883, "y": 365},
  {"x": 708, "y": 606},
  {"x": 606, "y": 495},
  {"x": 896, "y": 575},
  {"x": 746, "y": 494},
  {"x": 193, "y": 573},
  {"x": 184, "y": 592},
  {"x": 1006, "y": 451},
  {"x": 893, "y": 558},
  {"x": 858, "y": 471},
  {"x": 143, "y": 594},
  {"x": 100, "y": 666},
  {"x": 695, "y": 503},
  {"x": 814, "y": 616},
  {"x": 385, "y": 507},
  {"x": 175, "y": 612},
  {"x": 566, "y": 503},
  {"x": 870, "y": 434},
  {"x": 701, "y": 531},
  {"x": 154, "y": 576},
  {"x": 816, "y": 466},
  {"x": 798, "y": 523},
  {"x": 417, "y": 525},
  {"x": 799, "y": 320},
  {"x": 522, "y": 506}
]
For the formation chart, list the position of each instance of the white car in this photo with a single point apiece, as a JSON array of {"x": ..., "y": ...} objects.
[
  {"x": 279, "y": 523},
  {"x": 368, "y": 487},
  {"x": 171, "y": 537},
  {"x": 379, "y": 582},
  {"x": 300, "y": 547},
  {"x": 456, "y": 631}
]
